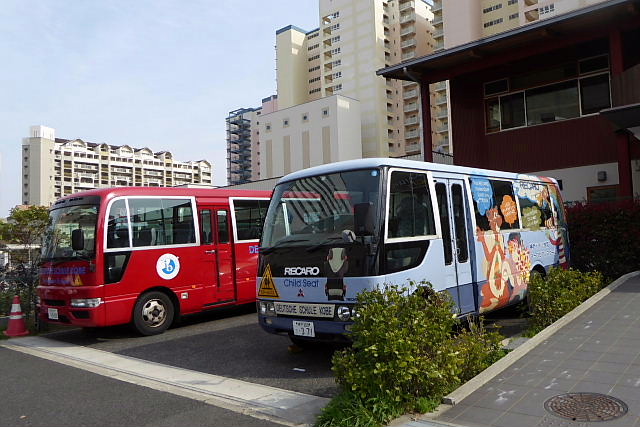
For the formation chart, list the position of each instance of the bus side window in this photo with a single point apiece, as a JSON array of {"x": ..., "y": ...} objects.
[
  {"x": 535, "y": 205},
  {"x": 118, "y": 226},
  {"x": 206, "y": 237},
  {"x": 410, "y": 210},
  {"x": 441, "y": 194},
  {"x": 223, "y": 227},
  {"x": 249, "y": 216},
  {"x": 179, "y": 219},
  {"x": 494, "y": 204}
]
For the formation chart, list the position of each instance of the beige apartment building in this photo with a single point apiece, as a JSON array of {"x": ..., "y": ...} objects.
[
  {"x": 354, "y": 39},
  {"x": 322, "y": 131},
  {"x": 54, "y": 167}
]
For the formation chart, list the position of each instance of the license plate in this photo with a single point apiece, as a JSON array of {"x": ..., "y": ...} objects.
[
  {"x": 303, "y": 329},
  {"x": 53, "y": 313}
]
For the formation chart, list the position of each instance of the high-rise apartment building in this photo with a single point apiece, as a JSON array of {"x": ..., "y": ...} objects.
[
  {"x": 243, "y": 141},
  {"x": 54, "y": 167},
  {"x": 468, "y": 20},
  {"x": 354, "y": 39}
]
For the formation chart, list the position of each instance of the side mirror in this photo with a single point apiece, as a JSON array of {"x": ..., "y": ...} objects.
[
  {"x": 77, "y": 240},
  {"x": 363, "y": 218}
]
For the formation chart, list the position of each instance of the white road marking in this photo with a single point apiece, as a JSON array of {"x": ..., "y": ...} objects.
[{"x": 260, "y": 401}]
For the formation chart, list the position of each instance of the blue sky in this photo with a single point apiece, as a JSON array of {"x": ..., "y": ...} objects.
[{"x": 157, "y": 73}]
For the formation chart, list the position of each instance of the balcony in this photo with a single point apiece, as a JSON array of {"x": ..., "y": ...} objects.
[
  {"x": 437, "y": 20},
  {"x": 442, "y": 114},
  {"x": 440, "y": 86},
  {"x": 407, "y": 17},
  {"x": 442, "y": 128},
  {"x": 408, "y": 43},
  {"x": 410, "y": 94},
  {"x": 441, "y": 100},
  {"x": 406, "y": 83},
  {"x": 410, "y": 107},
  {"x": 437, "y": 6},
  {"x": 407, "y": 6},
  {"x": 408, "y": 55},
  {"x": 438, "y": 34},
  {"x": 532, "y": 15},
  {"x": 411, "y": 29},
  {"x": 413, "y": 120},
  {"x": 414, "y": 133},
  {"x": 412, "y": 148},
  {"x": 530, "y": 2}
]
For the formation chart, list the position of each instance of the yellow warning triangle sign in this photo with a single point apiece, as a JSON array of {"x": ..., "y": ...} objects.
[
  {"x": 267, "y": 285},
  {"x": 77, "y": 281}
]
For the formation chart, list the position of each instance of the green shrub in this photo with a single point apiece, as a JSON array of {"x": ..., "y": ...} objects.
[
  {"x": 605, "y": 237},
  {"x": 558, "y": 293},
  {"x": 405, "y": 356}
]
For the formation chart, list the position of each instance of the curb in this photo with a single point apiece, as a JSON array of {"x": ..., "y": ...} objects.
[{"x": 488, "y": 374}]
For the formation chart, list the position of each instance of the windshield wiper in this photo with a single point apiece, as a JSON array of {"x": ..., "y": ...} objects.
[
  {"x": 324, "y": 242},
  {"x": 281, "y": 244}
]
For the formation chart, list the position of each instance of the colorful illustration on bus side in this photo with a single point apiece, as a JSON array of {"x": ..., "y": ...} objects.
[
  {"x": 519, "y": 258},
  {"x": 557, "y": 235},
  {"x": 482, "y": 194},
  {"x": 494, "y": 291},
  {"x": 337, "y": 265}
]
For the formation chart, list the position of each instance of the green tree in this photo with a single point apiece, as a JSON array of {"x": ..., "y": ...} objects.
[{"x": 25, "y": 226}]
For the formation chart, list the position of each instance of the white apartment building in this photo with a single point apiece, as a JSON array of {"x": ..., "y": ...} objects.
[
  {"x": 54, "y": 167},
  {"x": 314, "y": 133},
  {"x": 354, "y": 39}
]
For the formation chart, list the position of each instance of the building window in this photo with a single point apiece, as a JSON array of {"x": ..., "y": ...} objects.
[
  {"x": 510, "y": 2},
  {"x": 315, "y": 46},
  {"x": 335, "y": 27},
  {"x": 325, "y": 112},
  {"x": 315, "y": 79},
  {"x": 583, "y": 94},
  {"x": 335, "y": 51},
  {"x": 313, "y": 58},
  {"x": 546, "y": 9},
  {"x": 492, "y": 23},
  {"x": 337, "y": 87},
  {"x": 285, "y": 123},
  {"x": 514, "y": 16},
  {"x": 492, "y": 8},
  {"x": 335, "y": 39},
  {"x": 316, "y": 90},
  {"x": 305, "y": 117},
  {"x": 267, "y": 127}
]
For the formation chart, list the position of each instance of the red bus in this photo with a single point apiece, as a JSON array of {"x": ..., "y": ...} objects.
[{"x": 147, "y": 255}]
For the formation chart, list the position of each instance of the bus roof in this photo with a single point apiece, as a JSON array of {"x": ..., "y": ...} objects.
[
  {"x": 108, "y": 193},
  {"x": 404, "y": 163}
]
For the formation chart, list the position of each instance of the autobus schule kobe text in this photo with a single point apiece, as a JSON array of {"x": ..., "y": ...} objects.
[
  {"x": 336, "y": 230},
  {"x": 148, "y": 255}
]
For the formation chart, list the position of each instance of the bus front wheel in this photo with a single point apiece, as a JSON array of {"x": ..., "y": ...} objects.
[{"x": 153, "y": 313}]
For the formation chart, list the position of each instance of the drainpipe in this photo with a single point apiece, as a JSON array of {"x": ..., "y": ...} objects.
[{"x": 425, "y": 104}]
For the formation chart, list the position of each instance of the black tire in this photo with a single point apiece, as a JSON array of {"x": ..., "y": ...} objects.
[{"x": 153, "y": 313}]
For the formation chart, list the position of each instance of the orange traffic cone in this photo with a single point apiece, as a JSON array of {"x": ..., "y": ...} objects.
[{"x": 17, "y": 327}]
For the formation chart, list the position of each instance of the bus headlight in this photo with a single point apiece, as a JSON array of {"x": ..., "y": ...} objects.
[
  {"x": 267, "y": 308},
  {"x": 344, "y": 313},
  {"x": 86, "y": 303}
]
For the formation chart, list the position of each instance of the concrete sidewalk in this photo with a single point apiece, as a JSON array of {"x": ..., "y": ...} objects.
[{"x": 594, "y": 349}]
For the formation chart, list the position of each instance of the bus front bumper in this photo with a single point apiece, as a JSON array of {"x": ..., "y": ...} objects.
[
  {"x": 324, "y": 330},
  {"x": 56, "y": 306}
]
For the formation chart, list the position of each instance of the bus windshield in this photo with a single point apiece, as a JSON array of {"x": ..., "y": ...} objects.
[
  {"x": 316, "y": 210},
  {"x": 57, "y": 244}
]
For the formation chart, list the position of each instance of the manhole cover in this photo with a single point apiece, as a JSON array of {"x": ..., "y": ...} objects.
[{"x": 586, "y": 407}]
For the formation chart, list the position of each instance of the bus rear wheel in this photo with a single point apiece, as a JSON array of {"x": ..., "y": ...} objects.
[{"x": 153, "y": 313}]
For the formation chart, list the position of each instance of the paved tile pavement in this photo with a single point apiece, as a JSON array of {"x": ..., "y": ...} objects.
[{"x": 598, "y": 352}]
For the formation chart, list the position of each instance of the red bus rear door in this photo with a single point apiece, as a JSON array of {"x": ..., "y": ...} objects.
[{"x": 217, "y": 253}]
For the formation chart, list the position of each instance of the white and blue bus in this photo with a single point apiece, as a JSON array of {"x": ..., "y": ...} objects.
[{"x": 336, "y": 230}]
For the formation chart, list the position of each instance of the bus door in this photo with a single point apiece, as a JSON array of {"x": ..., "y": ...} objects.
[
  {"x": 217, "y": 253},
  {"x": 455, "y": 239}
]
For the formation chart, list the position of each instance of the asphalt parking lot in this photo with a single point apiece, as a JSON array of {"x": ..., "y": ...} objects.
[{"x": 230, "y": 343}]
